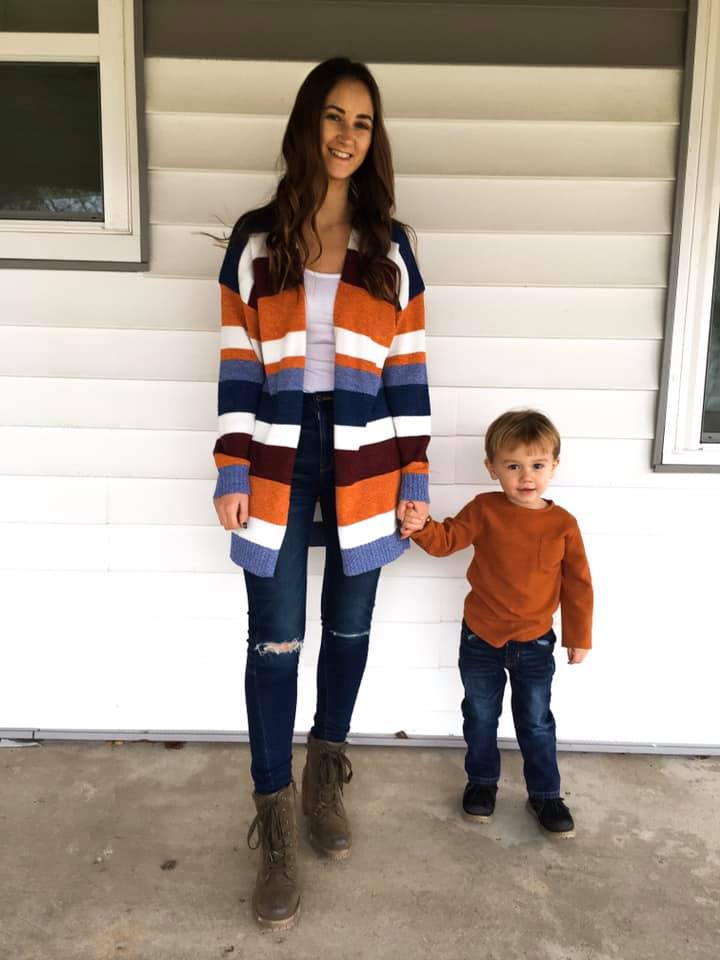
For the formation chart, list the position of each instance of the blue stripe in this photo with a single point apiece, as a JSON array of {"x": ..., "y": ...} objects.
[
  {"x": 412, "y": 400},
  {"x": 356, "y": 381},
  {"x": 289, "y": 379},
  {"x": 370, "y": 556},
  {"x": 283, "y": 407},
  {"x": 232, "y": 479},
  {"x": 415, "y": 486},
  {"x": 242, "y": 370},
  {"x": 354, "y": 409},
  {"x": 403, "y": 373},
  {"x": 229, "y": 268},
  {"x": 238, "y": 395},
  {"x": 255, "y": 559},
  {"x": 416, "y": 282}
]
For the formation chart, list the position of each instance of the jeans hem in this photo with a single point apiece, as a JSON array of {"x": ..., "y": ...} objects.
[{"x": 549, "y": 795}]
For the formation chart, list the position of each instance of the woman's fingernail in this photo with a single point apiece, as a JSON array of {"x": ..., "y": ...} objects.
[{"x": 244, "y": 525}]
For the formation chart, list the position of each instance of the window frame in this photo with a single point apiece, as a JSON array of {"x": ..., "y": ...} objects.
[
  {"x": 678, "y": 437},
  {"x": 120, "y": 240}
]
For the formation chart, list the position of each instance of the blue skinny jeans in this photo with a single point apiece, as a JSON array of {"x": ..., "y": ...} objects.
[
  {"x": 276, "y": 615},
  {"x": 530, "y": 666}
]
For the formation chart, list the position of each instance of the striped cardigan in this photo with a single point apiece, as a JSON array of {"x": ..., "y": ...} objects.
[{"x": 382, "y": 406}]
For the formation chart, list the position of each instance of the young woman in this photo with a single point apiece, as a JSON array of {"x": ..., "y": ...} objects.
[{"x": 323, "y": 397}]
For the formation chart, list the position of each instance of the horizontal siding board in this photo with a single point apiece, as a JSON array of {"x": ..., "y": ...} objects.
[
  {"x": 47, "y": 451},
  {"x": 439, "y": 203},
  {"x": 431, "y": 147},
  {"x": 171, "y": 405},
  {"x": 465, "y": 258},
  {"x": 452, "y": 361},
  {"x": 458, "y": 91},
  {"x": 418, "y": 32},
  {"x": 76, "y": 500}
]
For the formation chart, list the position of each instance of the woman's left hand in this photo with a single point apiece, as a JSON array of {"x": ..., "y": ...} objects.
[{"x": 422, "y": 508}]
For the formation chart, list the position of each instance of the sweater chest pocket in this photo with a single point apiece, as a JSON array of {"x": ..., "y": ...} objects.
[{"x": 551, "y": 553}]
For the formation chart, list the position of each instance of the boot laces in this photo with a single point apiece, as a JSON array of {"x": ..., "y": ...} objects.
[
  {"x": 335, "y": 770},
  {"x": 270, "y": 832}
]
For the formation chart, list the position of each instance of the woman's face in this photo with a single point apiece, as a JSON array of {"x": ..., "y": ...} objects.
[{"x": 346, "y": 128}]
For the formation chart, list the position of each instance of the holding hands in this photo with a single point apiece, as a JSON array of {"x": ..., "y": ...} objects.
[{"x": 412, "y": 517}]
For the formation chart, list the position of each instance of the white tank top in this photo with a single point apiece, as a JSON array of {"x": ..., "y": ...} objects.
[{"x": 320, "y": 290}]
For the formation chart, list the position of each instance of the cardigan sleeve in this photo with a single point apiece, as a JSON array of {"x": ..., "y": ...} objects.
[
  {"x": 405, "y": 378},
  {"x": 241, "y": 377}
]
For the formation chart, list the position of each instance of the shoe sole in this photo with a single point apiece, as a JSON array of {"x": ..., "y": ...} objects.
[
  {"x": 329, "y": 854},
  {"x": 476, "y": 817},
  {"x": 285, "y": 924},
  {"x": 559, "y": 834}
]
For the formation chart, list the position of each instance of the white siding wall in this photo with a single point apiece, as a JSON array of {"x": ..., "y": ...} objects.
[{"x": 542, "y": 198}]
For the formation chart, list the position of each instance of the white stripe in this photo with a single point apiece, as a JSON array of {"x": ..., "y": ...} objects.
[
  {"x": 246, "y": 277},
  {"x": 412, "y": 426},
  {"x": 264, "y": 534},
  {"x": 236, "y": 338},
  {"x": 291, "y": 345},
  {"x": 413, "y": 342},
  {"x": 365, "y": 531},
  {"x": 352, "y": 438},
  {"x": 277, "y": 434},
  {"x": 236, "y": 423},
  {"x": 359, "y": 346},
  {"x": 396, "y": 257}
]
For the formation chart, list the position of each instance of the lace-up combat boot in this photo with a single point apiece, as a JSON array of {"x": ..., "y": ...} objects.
[
  {"x": 327, "y": 770},
  {"x": 276, "y": 900}
]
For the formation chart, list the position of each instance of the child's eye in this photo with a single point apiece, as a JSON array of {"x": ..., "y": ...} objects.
[
  {"x": 539, "y": 466},
  {"x": 513, "y": 466}
]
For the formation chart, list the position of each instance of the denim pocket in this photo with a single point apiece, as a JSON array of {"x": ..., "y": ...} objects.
[{"x": 546, "y": 642}]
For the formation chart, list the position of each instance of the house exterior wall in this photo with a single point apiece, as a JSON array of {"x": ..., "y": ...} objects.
[{"x": 542, "y": 196}]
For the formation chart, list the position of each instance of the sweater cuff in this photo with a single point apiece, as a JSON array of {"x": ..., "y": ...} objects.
[
  {"x": 415, "y": 486},
  {"x": 233, "y": 479}
]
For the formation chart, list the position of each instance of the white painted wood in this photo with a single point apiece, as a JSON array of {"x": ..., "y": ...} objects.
[
  {"x": 447, "y": 147},
  {"x": 78, "y": 500},
  {"x": 53, "y": 546},
  {"x": 692, "y": 311},
  {"x": 440, "y": 203},
  {"x": 138, "y": 301},
  {"x": 452, "y": 361},
  {"x": 465, "y": 258},
  {"x": 49, "y": 47},
  {"x": 424, "y": 90}
]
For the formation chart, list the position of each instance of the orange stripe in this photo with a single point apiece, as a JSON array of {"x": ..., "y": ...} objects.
[
  {"x": 236, "y": 353},
  {"x": 287, "y": 363},
  {"x": 223, "y": 460},
  {"x": 281, "y": 314},
  {"x": 413, "y": 316},
  {"x": 355, "y": 363},
  {"x": 269, "y": 500},
  {"x": 417, "y": 466},
  {"x": 405, "y": 358},
  {"x": 367, "y": 498},
  {"x": 361, "y": 313},
  {"x": 231, "y": 308}
]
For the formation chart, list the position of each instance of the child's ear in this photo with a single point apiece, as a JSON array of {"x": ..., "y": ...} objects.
[{"x": 490, "y": 469}]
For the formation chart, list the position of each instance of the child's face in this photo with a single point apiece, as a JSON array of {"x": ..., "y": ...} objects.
[{"x": 524, "y": 474}]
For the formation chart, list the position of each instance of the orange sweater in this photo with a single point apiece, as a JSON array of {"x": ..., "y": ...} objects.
[{"x": 526, "y": 564}]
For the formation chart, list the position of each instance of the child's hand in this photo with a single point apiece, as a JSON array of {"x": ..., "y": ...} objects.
[
  {"x": 576, "y": 655},
  {"x": 412, "y": 521}
]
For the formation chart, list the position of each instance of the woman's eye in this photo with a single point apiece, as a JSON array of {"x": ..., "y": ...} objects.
[
  {"x": 362, "y": 126},
  {"x": 331, "y": 116}
]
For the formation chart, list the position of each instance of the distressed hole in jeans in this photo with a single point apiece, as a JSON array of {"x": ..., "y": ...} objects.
[
  {"x": 348, "y": 636},
  {"x": 292, "y": 646}
]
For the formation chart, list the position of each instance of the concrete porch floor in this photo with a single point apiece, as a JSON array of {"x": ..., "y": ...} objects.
[{"x": 87, "y": 828}]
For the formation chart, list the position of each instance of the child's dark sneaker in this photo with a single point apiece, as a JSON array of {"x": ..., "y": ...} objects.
[
  {"x": 553, "y": 815},
  {"x": 479, "y": 801}
]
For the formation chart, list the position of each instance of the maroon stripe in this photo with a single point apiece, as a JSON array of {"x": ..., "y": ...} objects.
[
  {"x": 233, "y": 445},
  {"x": 272, "y": 463},
  {"x": 370, "y": 461}
]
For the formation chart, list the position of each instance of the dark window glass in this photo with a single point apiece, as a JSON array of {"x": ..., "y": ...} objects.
[
  {"x": 711, "y": 412},
  {"x": 49, "y": 16},
  {"x": 51, "y": 159}
]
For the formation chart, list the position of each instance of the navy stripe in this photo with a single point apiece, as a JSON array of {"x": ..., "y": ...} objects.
[
  {"x": 238, "y": 395},
  {"x": 416, "y": 282},
  {"x": 411, "y": 400},
  {"x": 229, "y": 268},
  {"x": 283, "y": 407}
]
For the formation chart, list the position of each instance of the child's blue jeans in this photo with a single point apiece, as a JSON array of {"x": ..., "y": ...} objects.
[{"x": 530, "y": 665}]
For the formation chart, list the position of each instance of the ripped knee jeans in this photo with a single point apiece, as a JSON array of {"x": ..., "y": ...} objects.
[{"x": 276, "y": 617}]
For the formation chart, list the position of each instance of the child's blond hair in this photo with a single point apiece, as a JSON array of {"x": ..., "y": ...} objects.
[{"x": 516, "y": 428}]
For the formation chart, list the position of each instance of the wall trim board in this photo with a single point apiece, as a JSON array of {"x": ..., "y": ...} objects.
[
  {"x": 361, "y": 740},
  {"x": 635, "y": 34}
]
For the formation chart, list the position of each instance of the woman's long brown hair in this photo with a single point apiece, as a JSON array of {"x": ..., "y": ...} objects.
[{"x": 302, "y": 188}]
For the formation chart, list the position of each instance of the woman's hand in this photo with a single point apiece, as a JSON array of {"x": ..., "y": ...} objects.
[
  {"x": 420, "y": 508},
  {"x": 232, "y": 510}
]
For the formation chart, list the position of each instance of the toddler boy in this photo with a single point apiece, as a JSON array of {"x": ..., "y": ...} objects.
[{"x": 529, "y": 559}]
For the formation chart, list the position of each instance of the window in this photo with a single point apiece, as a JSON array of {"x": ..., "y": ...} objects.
[
  {"x": 688, "y": 434},
  {"x": 70, "y": 164}
]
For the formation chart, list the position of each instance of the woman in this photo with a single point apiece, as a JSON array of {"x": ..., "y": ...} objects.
[{"x": 323, "y": 396}]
